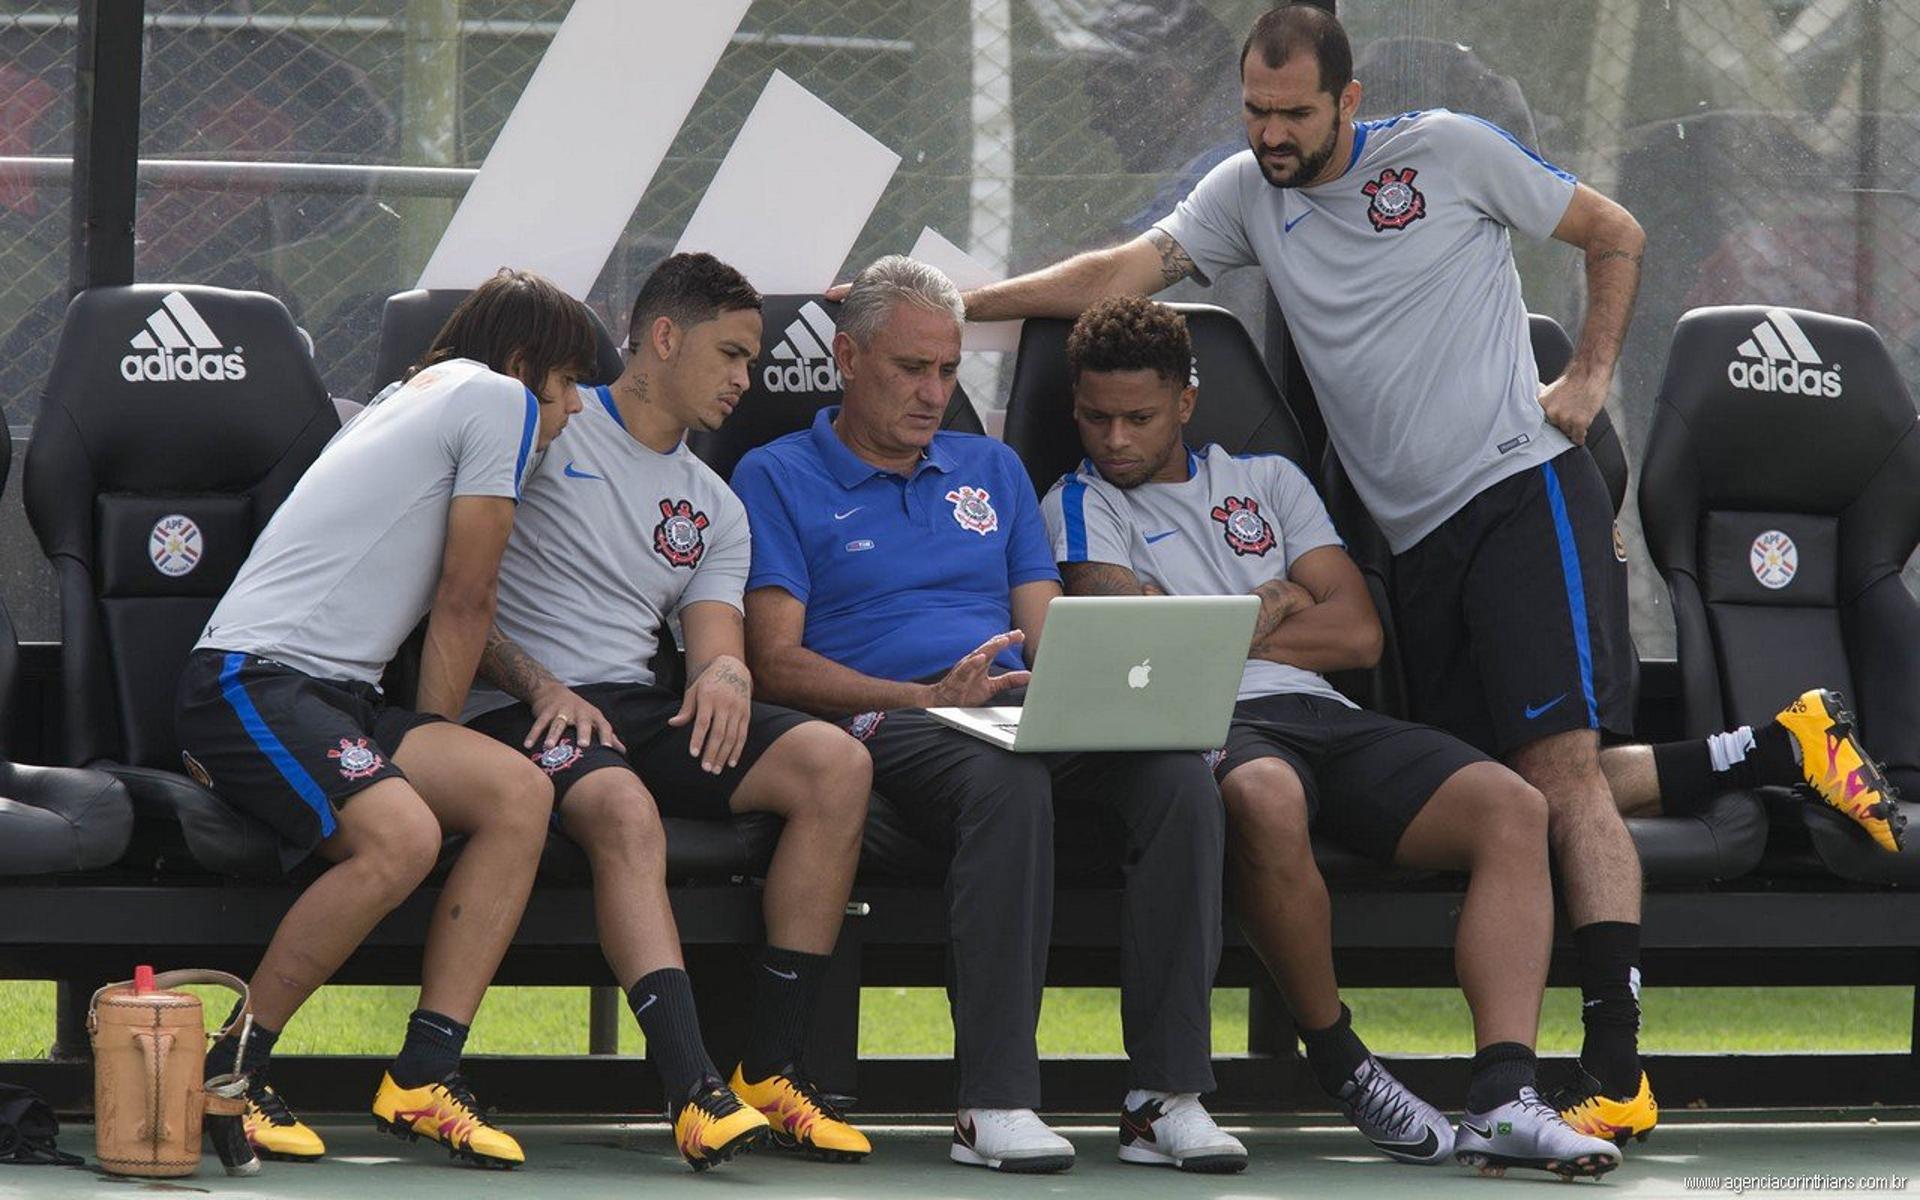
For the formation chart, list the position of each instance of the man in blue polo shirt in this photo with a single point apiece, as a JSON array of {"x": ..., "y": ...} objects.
[{"x": 897, "y": 568}]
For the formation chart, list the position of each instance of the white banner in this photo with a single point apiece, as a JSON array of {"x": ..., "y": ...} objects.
[
  {"x": 583, "y": 142},
  {"x": 967, "y": 273},
  {"x": 793, "y": 193}
]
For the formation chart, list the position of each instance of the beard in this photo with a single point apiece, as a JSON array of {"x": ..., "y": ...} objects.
[
  {"x": 1310, "y": 165},
  {"x": 1148, "y": 468}
]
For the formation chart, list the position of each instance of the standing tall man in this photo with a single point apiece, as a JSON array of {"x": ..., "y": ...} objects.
[
  {"x": 1388, "y": 246},
  {"x": 898, "y": 568},
  {"x": 623, "y": 529}
]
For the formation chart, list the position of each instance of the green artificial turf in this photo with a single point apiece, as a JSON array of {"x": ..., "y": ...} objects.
[{"x": 522, "y": 1020}]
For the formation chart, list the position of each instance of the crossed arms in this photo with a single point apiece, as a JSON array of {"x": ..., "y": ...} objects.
[{"x": 1318, "y": 616}]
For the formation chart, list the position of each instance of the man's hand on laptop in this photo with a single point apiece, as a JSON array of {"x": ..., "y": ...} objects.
[{"x": 969, "y": 684}]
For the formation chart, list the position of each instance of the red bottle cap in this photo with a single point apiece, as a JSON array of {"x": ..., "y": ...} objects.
[{"x": 142, "y": 979}]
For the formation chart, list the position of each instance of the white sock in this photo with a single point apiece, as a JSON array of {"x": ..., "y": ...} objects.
[{"x": 1726, "y": 749}]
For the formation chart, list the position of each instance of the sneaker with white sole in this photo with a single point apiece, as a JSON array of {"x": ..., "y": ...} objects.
[
  {"x": 1400, "y": 1124},
  {"x": 1013, "y": 1140},
  {"x": 1177, "y": 1131},
  {"x": 1527, "y": 1132}
]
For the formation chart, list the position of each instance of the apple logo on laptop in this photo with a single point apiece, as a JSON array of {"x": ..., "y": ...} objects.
[{"x": 1137, "y": 677}]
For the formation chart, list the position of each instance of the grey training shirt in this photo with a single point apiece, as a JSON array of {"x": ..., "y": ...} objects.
[
  {"x": 1398, "y": 284},
  {"x": 612, "y": 539},
  {"x": 1235, "y": 524},
  {"x": 349, "y": 563}
]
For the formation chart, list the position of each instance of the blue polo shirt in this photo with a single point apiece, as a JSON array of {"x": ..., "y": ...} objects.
[{"x": 902, "y": 576}]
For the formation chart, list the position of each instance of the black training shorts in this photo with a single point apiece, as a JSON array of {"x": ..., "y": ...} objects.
[
  {"x": 1512, "y": 615},
  {"x": 283, "y": 746},
  {"x": 656, "y": 751},
  {"x": 1366, "y": 776}
]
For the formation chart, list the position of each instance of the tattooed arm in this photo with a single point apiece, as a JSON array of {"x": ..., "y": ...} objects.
[
  {"x": 1614, "y": 245},
  {"x": 1100, "y": 579},
  {"x": 1140, "y": 267},
  {"x": 719, "y": 699},
  {"x": 506, "y": 666},
  {"x": 555, "y": 706},
  {"x": 1320, "y": 617},
  {"x": 1344, "y": 632}
]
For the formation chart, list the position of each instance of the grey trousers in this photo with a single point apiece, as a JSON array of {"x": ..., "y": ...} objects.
[{"x": 993, "y": 811}]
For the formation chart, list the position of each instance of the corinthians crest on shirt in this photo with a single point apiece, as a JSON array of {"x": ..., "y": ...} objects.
[
  {"x": 680, "y": 536},
  {"x": 972, "y": 510},
  {"x": 357, "y": 759},
  {"x": 1246, "y": 531},
  {"x": 1395, "y": 202}
]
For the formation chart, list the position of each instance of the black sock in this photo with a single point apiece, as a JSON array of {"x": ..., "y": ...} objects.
[
  {"x": 1499, "y": 1072},
  {"x": 221, "y": 1055},
  {"x": 662, "y": 1002},
  {"x": 1774, "y": 760},
  {"x": 1335, "y": 1052},
  {"x": 1607, "y": 955},
  {"x": 1695, "y": 771},
  {"x": 1685, "y": 772},
  {"x": 431, "y": 1051},
  {"x": 784, "y": 988}
]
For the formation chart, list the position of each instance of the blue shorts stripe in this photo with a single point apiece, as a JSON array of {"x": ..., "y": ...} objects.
[
  {"x": 277, "y": 753},
  {"x": 1073, "y": 505},
  {"x": 1576, "y": 590},
  {"x": 526, "y": 441}
]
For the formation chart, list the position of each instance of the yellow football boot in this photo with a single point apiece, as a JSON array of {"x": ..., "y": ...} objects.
[
  {"x": 275, "y": 1132},
  {"x": 445, "y": 1112},
  {"x": 1595, "y": 1114},
  {"x": 713, "y": 1125},
  {"x": 1838, "y": 769},
  {"x": 801, "y": 1118}
]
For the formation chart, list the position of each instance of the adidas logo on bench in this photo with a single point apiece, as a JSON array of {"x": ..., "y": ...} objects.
[
  {"x": 803, "y": 358},
  {"x": 178, "y": 345},
  {"x": 1785, "y": 361}
]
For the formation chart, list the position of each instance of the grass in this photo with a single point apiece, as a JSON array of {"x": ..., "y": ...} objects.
[{"x": 1079, "y": 1021}]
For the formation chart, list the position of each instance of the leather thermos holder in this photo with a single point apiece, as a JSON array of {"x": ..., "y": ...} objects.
[{"x": 149, "y": 1063}]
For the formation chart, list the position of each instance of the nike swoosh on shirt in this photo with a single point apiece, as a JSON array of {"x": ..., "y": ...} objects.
[
  {"x": 843, "y": 516},
  {"x": 571, "y": 473},
  {"x": 1533, "y": 712},
  {"x": 1288, "y": 227},
  {"x": 1156, "y": 537}
]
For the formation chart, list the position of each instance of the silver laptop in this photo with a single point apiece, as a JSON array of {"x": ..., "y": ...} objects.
[{"x": 1126, "y": 673}]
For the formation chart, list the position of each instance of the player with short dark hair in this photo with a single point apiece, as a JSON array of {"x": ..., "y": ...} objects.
[
  {"x": 405, "y": 514},
  {"x": 623, "y": 532},
  {"x": 1279, "y": 34},
  {"x": 896, "y": 568},
  {"x": 1388, "y": 244},
  {"x": 1143, "y": 513},
  {"x": 688, "y": 289}
]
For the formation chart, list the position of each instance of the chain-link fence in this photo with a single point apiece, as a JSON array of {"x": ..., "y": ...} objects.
[{"x": 1767, "y": 146}]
